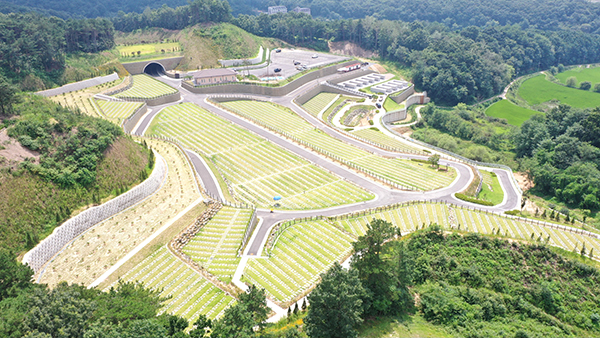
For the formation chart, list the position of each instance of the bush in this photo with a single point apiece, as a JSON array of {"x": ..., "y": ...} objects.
[
  {"x": 512, "y": 212},
  {"x": 571, "y": 82},
  {"x": 374, "y": 128},
  {"x": 473, "y": 200},
  {"x": 371, "y": 122},
  {"x": 597, "y": 87},
  {"x": 585, "y": 85}
]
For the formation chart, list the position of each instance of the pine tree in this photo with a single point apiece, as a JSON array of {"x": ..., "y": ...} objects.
[
  {"x": 296, "y": 309},
  {"x": 544, "y": 214},
  {"x": 289, "y": 311},
  {"x": 592, "y": 253},
  {"x": 583, "y": 251},
  {"x": 304, "y": 302},
  {"x": 552, "y": 214}
]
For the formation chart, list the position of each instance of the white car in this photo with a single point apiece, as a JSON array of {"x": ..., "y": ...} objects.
[{"x": 314, "y": 56}]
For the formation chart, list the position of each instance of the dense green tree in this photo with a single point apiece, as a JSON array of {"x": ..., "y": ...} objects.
[
  {"x": 585, "y": 85},
  {"x": 571, "y": 82},
  {"x": 14, "y": 277},
  {"x": 336, "y": 304}
]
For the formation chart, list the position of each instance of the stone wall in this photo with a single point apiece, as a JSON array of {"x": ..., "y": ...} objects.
[
  {"x": 138, "y": 67},
  {"x": 37, "y": 257},
  {"x": 157, "y": 101},
  {"x": 133, "y": 120}
]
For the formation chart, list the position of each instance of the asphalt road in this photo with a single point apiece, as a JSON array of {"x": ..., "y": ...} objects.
[{"x": 384, "y": 195}]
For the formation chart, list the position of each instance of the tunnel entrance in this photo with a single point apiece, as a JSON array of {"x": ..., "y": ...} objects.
[{"x": 154, "y": 69}]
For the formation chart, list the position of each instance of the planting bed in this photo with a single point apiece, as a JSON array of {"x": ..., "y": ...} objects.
[
  {"x": 145, "y": 87},
  {"x": 94, "y": 252},
  {"x": 256, "y": 169},
  {"x": 191, "y": 294},
  {"x": 319, "y": 102},
  {"x": 401, "y": 172},
  {"x": 216, "y": 246},
  {"x": 300, "y": 255}
]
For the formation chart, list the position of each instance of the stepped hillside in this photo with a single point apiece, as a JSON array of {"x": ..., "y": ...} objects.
[{"x": 53, "y": 163}]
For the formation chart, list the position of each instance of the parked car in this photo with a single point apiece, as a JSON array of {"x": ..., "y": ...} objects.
[
  {"x": 277, "y": 70},
  {"x": 314, "y": 56},
  {"x": 380, "y": 98},
  {"x": 296, "y": 63},
  {"x": 378, "y": 105},
  {"x": 277, "y": 50}
]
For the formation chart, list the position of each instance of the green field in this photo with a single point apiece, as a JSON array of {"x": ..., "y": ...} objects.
[
  {"x": 538, "y": 90},
  {"x": 145, "y": 87},
  {"x": 147, "y": 49},
  {"x": 402, "y": 172},
  {"x": 490, "y": 189},
  {"x": 582, "y": 74},
  {"x": 191, "y": 294},
  {"x": 256, "y": 169},
  {"x": 216, "y": 246},
  {"x": 513, "y": 114},
  {"x": 383, "y": 140},
  {"x": 319, "y": 102},
  {"x": 391, "y": 105},
  {"x": 302, "y": 252},
  {"x": 118, "y": 110}
]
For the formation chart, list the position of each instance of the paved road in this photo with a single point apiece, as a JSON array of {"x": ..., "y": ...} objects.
[{"x": 384, "y": 196}]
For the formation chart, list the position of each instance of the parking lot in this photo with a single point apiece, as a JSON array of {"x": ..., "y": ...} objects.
[{"x": 285, "y": 61}]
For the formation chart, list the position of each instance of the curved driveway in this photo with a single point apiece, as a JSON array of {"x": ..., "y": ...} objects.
[{"x": 384, "y": 195}]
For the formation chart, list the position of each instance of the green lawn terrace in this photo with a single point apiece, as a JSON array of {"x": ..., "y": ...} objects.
[
  {"x": 537, "y": 90},
  {"x": 319, "y": 102},
  {"x": 256, "y": 169},
  {"x": 408, "y": 174},
  {"x": 409, "y": 216},
  {"x": 191, "y": 294},
  {"x": 118, "y": 110},
  {"x": 216, "y": 246},
  {"x": 384, "y": 141},
  {"x": 513, "y": 114},
  {"x": 145, "y": 87},
  {"x": 302, "y": 252}
]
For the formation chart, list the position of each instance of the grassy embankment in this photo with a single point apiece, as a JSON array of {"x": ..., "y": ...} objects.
[
  {"x": 538, "y": 90},
  {"x": 513, "y": 114}
]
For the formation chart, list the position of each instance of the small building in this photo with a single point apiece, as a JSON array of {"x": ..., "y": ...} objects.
[
  {"x": 277, "y": 9},
  {"x": 214, "y": 76},
  {"x": 351, "y": 67},
  {"x": 302, "y": 10}
]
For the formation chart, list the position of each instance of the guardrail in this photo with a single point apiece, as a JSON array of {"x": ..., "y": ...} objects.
[{"x": 249, "y": 230}]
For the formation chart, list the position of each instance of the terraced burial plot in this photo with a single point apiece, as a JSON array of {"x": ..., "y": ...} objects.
[
  {"x": 403, "y": 172},
  {"x": 257, "y": 170},
  {"x": 383, "y": 140},
  {"x": 82, "y": 99},
  {"x": 191, "y": 294},
  {"x": 319, "y": 102},
  {"x": 145, "y": 87},
  {"x": 300, "y": 255},
  {"x": 405, "y": 217},
  {"x": 216, "y": 246},
  {"x": 94, "y": 252},
  {"x": 118, "y": 110}
]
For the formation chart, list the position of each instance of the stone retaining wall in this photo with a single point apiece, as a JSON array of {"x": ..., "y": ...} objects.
[
  {"x": 133, "y": 120},
  {"x": 37, "y": 257},
  {"x": 71, "y": 87}
]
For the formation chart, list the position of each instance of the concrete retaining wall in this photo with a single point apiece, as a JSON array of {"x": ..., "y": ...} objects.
[
  {"x": 320, "y": 88},
  {"x": 37, "y": 257},
  {"x": 71, "y": 87},
  {"x": 246, "y": 88},
  {"x": 399, "y": 98},
  {"x": 351, "y": 75},
  {"x": 133, "y": 120},
  {"x": 157, "y": 101},
  {"x": 399, "y": 115},
  {"x": 138, "y": 67},
  {"x": 240, "y": 62}
]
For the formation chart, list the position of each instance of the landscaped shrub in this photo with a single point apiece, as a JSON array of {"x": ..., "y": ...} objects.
[{"x": 473, "y": 200}]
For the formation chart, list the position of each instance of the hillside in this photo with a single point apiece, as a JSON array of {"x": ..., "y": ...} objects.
[
  {"x": 203, "y": 45},
  {"x": 53, "y": 162}
]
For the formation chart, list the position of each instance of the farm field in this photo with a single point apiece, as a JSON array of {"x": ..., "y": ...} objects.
[
  {"x": 402, "y": 172},
  {"x": 256, "y": 169},
  {"x": 191, "y": 294},
  {"x": 145, "y": 87},
  {"x": 538, "y": 90},
  {"x": 216, "y": 246},
  {"x": 302, "y": 252},
  {"x": 513, "y": 114},
  {"x": 319, "y": 102},
  {"x": 491, "y": 190},
  {"x": 94, "y": 252},
  {"x": 118, "y": 110},
  {"x": 146, "y": 50},
  {"x": 382, "y": 139},
  {"x": 582, "y": 74}
]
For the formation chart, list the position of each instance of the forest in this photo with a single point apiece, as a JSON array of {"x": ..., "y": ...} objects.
[{"x": 469, "y": 284}]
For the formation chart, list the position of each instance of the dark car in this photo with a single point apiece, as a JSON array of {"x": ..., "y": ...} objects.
[
  {"x": 277, "y": 70},
  {"x": 277, "y": 50},
  {"x": 296, "y": 63},
  {"x": 378, "y": 105}
]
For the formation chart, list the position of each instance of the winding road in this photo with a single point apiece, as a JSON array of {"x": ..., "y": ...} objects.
[{"x": 384, "y": 195}]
